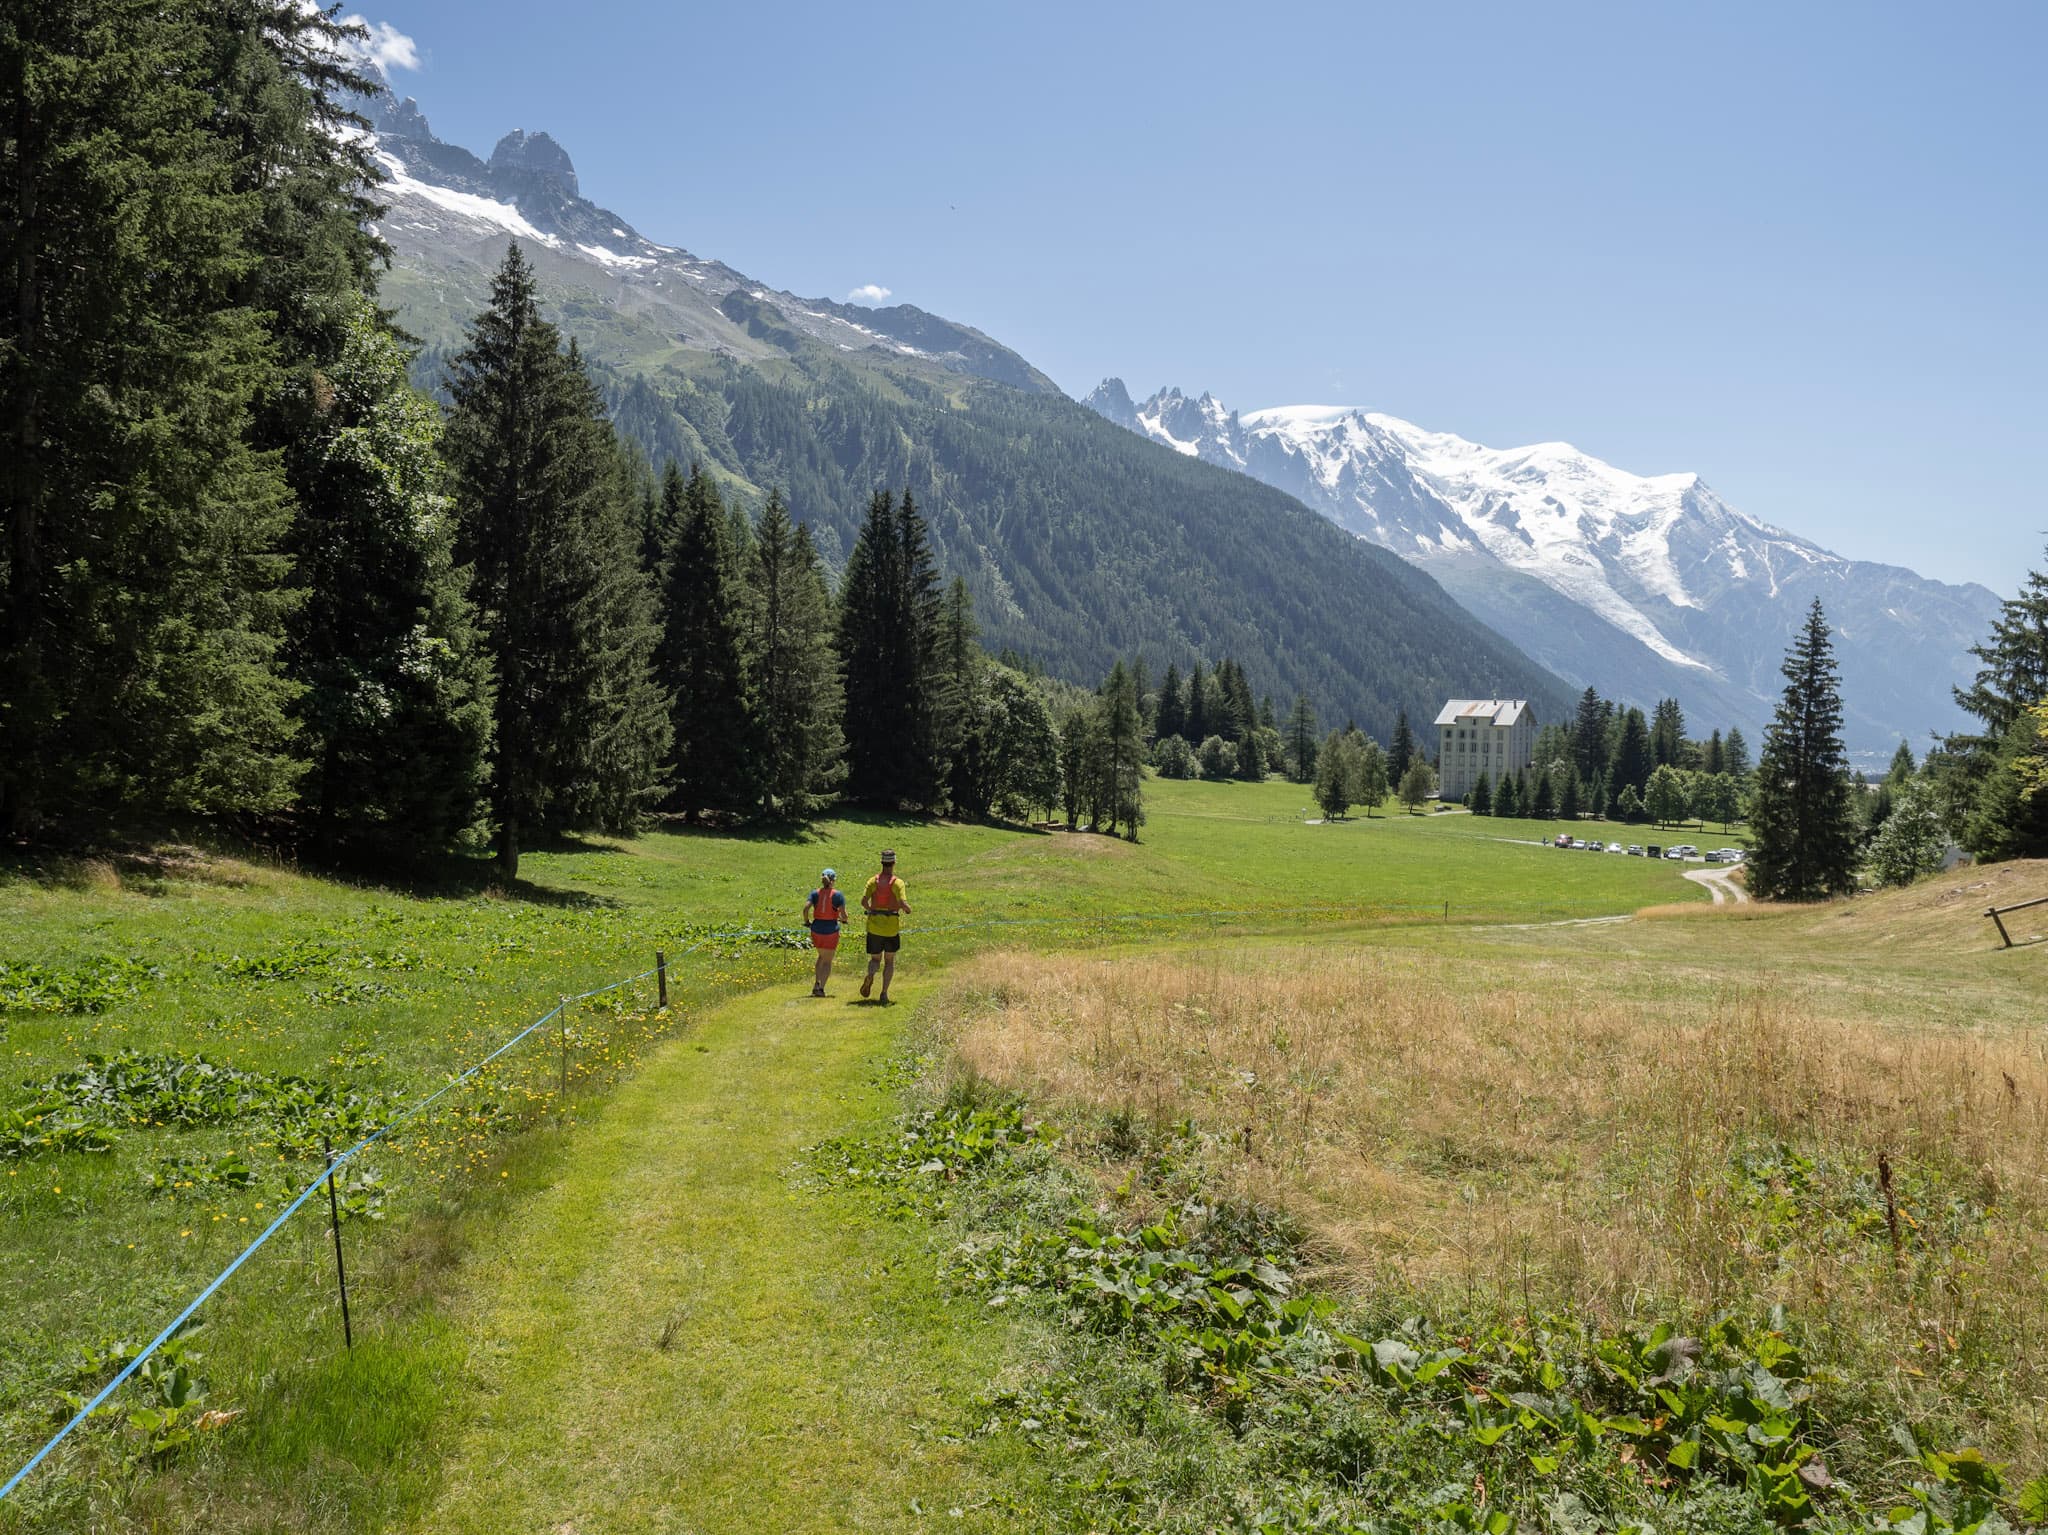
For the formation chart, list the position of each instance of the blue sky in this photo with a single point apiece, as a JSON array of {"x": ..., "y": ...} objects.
[{"x": 1800, "y": 249}]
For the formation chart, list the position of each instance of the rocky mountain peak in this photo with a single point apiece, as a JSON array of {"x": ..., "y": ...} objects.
[
  {"x": 535, "y": 155},
  {"x": 1112, "y": 400}
]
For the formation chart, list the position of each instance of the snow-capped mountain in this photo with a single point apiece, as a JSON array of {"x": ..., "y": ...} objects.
[
  {"x": 450, "y": 214},
  {"x": 1642, "y": 586}
]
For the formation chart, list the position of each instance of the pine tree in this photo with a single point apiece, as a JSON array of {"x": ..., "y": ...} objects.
[
  {"x": 1633, "y": 758},
  {"x": 1903, "y": 767},
  {"x": 2010, "y": 816},
  {"x": 793, "y": 699},
  {"x": 1480, "y": 800},
  {"x": 1402, "y": 750},
  {"x": 2013, "y": 674},
  {"x": 889, "y": 644},
  {"x": 699, "y": 661},
  {"x": 1544, "y": 807},
  {"x": 396, "y": 712},
  {"x": 143, "y": 587},
  {"x": 1301, "y": 740},
  {"x": 1589, "y": 737},
  {"x": 962, "y": 704},
  {"x": 1171, "y": 717},
  {"x": 1568, "y": 799},
  {"x": 1715, "y": 758},
  {"x": 545, "y": 523},
  {"x": 1667, "y": 734},
  {"x": 1805, "y": 829},
  {"x": 1200, "y": 725},
  {"x": 1508, "y": 800},
  {"x": 1735, "y": 755}
]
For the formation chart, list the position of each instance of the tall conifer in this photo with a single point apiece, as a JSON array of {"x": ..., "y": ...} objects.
[
  {"x": 544, "y": 522},
  {"x": 1804, "y": 826},
  {"x": 1171, "y": 717},
  {"x": 699, "y": 659},
  {"x": 396, "y": 712},
  {"x": 1401, "y": 751},
  {"x": 142, "y": 583},
  {"x": 792, "y": 681}
]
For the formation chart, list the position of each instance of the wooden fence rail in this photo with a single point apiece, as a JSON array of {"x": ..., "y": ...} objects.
[{"x": 1998, "y": 913}]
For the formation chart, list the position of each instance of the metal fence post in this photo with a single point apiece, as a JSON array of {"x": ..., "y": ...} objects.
[{"x": 340, "y": 1271}]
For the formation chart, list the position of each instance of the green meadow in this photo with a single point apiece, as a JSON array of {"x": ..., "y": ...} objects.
[{"x": 597, "y": 1286}]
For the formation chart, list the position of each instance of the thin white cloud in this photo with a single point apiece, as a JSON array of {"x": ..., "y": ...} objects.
[
  {"x": 869, "y": 293},
  {"x": 385, "y": 48}
]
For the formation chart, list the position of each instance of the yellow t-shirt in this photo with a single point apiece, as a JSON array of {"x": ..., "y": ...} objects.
[{"x": 883, "y": 921}]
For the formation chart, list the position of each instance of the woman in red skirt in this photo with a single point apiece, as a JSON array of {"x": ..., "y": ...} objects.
[{"x": 824, "y": 911}]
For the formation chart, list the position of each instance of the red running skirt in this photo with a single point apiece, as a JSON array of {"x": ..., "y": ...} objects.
[{"x": 825, "y": 941}]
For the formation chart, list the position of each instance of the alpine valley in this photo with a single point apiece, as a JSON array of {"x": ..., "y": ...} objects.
[
  {"x": 1370, "y": 564},
  {"x": 1079, "y": 541},
  {"x": 1642, "y": 586}
]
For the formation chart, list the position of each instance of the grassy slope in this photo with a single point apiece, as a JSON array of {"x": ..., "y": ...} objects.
[{"x": 97, "y": 1260}]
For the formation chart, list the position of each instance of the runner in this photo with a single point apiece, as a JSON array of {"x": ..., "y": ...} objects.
[
  {"x": 824, "y": 910},
  {"x": 883, "y": 901}
]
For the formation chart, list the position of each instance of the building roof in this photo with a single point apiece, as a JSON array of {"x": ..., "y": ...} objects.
[{"x": 1486, "y": 711}]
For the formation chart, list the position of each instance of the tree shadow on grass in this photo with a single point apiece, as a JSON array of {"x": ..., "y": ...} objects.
[{"x": 155, "y": 864}]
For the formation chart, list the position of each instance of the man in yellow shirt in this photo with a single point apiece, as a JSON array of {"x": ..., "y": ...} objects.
[{"x": 882, "y": 898}]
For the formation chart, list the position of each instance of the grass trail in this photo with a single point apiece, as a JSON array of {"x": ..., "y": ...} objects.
[{"x": 809, "y": 1366}]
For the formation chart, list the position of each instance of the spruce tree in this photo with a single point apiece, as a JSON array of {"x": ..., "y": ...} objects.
[
  {"x": 544, "y": 522},
  {"x": 793, "y": 698},
  {"x": 1633, "y": 756},
  {"x": 1171, "y": 717},
  {"x": 1544, "y": 806},
  {"x": 1480, "y": 800},
  {"x": 699, "y": 661},
  {"x": 1301, "y": 740},
  {"x": 1805, "y": 828},
  {"x": 2012, "y": 675},
  {"x": 396, "y": 712},
  {"x": 889, "y": 644},
  {"x": 1507, "y": 801},
  {"x": 1200, "y": 725},
  {"x": 143, "y": 584},
  {"x": 1569, "y": 798},
  {"x": 1589, "y": 737},
  {"x": 1667, "y": 734},
  {"x": 1402, "y": 750},
  {"x": 963, "y": 705},
  {"x": 1735, "y": 755}
]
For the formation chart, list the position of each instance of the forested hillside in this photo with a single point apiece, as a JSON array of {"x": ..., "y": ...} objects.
[{"x": 1079, "y": 542}]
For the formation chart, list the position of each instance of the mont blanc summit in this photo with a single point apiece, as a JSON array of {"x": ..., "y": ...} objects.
[{"x": 1649, "y": 584}]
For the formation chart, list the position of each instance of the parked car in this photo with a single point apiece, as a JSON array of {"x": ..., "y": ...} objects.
[
  {"x": 1654, "y": 851},
  {"x": 1564, "y": 839},
  {"x": 1635, "y": 850},
  {"x": 1616, "y": 847}
]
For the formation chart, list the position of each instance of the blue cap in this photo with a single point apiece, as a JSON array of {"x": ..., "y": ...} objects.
[{"x": 829, "y": 874}]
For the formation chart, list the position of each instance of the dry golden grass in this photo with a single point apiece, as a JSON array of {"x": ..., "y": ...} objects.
[{"x": 1479, "y": 1123}]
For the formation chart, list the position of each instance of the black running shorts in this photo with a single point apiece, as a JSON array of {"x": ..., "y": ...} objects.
[{"x": 877, "y": 944}]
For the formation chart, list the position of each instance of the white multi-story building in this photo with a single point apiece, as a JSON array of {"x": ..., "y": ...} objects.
[{"x": 1494, "y": 736}]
